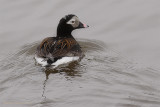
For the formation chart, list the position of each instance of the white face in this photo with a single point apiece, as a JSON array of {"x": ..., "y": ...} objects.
[{"x": 74, "y": 22}]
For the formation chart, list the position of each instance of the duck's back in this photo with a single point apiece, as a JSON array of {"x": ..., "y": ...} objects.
[{"x": 54, "y": 48}]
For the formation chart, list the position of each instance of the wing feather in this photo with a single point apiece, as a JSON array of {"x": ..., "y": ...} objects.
[{"x": 51, "y": 47}]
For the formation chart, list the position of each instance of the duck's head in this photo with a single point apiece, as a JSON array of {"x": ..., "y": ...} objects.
[{"x": 67, "y": 24}]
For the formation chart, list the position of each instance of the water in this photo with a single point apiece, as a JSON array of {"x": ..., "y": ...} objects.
[{"x": 121, "y": 46}]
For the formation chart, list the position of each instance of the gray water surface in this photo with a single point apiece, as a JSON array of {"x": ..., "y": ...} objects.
[{"x": 121, "y": 47}]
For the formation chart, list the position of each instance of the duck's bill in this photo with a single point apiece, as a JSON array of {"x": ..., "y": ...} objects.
[{"x": 81, "y": 25}]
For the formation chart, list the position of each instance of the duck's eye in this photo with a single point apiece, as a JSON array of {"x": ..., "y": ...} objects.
[{"x": 72, "y": 22}]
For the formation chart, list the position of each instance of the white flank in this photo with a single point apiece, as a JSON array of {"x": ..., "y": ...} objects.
[
  {"x": 63, "y": 60},
  {"x": 41, "y": 61}
]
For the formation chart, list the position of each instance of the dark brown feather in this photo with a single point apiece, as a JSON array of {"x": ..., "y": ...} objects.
[{"x": 52, "y": 47}]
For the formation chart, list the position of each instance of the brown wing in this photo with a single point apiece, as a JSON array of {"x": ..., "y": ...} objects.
[
  {"x": 43, "y": 49},
  {"x": 51, "y": 47},
  {"x": 66, "y": 47}
]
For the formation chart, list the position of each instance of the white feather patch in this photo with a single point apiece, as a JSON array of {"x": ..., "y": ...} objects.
[
  {"x": 63, "y": 60},
  {"x": 41, "y": 61}
]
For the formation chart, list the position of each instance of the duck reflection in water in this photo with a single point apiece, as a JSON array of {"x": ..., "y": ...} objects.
[{"x": 71, "y": 70}]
